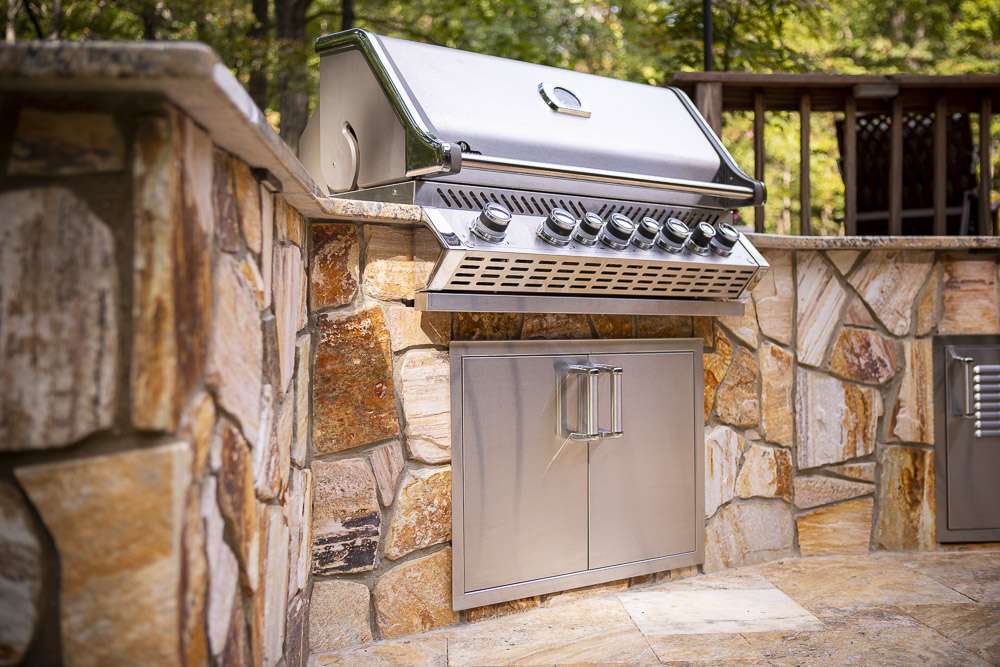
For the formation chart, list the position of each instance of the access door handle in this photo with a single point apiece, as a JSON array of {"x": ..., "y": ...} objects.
[
  {"x": 589, "y": 402},
  {"x": 967, "y": 376}
]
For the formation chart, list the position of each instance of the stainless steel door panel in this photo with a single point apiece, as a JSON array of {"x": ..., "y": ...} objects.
[
  {"x": 973, "y": 461},
  {"x": 525, "y": 485},
  {"x": 642, "y": 484}
]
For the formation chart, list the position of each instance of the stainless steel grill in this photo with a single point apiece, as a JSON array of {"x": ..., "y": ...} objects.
[{"x": 536, "y": 181}]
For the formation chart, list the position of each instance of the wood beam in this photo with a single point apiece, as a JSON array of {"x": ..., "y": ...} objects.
[
  {"x": 708, "y": 99},
  {"x": 851, "y": 167},
  {"x": 758, "y": 155},
  {"x": 940, "y": 166},
  {"x": 896, "y": 170},
  {"x": 985, "y": 166},
  {"x": 805, "y": 201}
]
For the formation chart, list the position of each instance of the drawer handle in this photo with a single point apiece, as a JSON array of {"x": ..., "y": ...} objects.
[
  {"x": 966, "y": 395},
  {"x": 589, "y": 376},
  {"x": 616, "y": 373}
]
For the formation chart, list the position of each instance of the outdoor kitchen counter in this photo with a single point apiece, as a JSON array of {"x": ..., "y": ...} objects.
[{"x": 784, "y": 242}]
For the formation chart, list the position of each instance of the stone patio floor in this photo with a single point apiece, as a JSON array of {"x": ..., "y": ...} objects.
[{"x": 938, "y": 608}]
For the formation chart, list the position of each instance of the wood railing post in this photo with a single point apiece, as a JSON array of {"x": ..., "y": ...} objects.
[
  {"x": 985, "y": 166},
  {"x": 805, "y": 204},
  {"x": 758, "y": 155},
  {"x": 940, "y": 165},
  {"x": 851, "y": 167},
  {"x": 896, "y": 169},
  {"x": 708, "y": 99}
]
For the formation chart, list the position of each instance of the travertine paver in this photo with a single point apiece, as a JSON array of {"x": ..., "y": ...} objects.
[{"x": 884, "y": 608}]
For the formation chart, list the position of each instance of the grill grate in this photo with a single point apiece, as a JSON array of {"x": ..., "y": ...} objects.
[
  {"x": 531, "y": 203},
  {"x": 511, "y": 272}
]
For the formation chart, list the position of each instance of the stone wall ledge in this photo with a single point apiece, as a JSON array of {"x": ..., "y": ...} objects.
[{"x": 788, "y": 242}]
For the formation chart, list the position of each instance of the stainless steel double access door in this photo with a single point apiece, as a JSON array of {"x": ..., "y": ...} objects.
[
  {"x": 575, "y": 462},
  {"x": 967, "y": 434}
]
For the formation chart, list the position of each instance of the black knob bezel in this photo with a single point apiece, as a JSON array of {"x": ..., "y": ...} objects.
[
  {"x": 588, "y": 228},
  {"x": 673, "y": 235},
  {"x": 617, "y": 231},
  {"x": 645, "y": 233},
  {"x": 492, "y": 222},
  {"x": 700, "y": 240},
  {"x": 557, "y": 226},
  {"x": 725, "y": 238}
]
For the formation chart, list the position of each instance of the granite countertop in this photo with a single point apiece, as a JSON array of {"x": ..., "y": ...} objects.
[{"x": 191, "y": 76}]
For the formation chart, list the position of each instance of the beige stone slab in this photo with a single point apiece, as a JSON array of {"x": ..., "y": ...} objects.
[
  {"x": 849, "y": 582},
  {"x": 906, "y": 499},
  {"x": 844, "y": 528},
  {"x": 969, "y": 298},
  {"x": 774, "y": 298},
  {"x": 426, "y": 651},
  {"x": 594, "y": 630},
  {"x": 748, "y": 531},
  {"x": 715, "y": 649},
  {"x": 683, "y": 610},
  {"x": 889, "y": 281},
  {"x": 974, "y": 626},
  {"x": 974, "y": 574},
  {"x": 819, "y": 300}
]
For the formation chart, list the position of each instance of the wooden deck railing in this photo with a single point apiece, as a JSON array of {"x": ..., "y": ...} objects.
[{"x": 851, "y": 95}]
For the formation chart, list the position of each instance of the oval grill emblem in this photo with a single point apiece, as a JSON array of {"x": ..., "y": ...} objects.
[{"x": 563, "y": 100}]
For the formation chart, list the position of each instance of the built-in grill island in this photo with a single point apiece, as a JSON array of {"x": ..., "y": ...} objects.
[{"x": 551, "y": 191}]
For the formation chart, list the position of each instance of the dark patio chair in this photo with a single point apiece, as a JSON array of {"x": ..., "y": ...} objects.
[{"x": 873, "y": 150}]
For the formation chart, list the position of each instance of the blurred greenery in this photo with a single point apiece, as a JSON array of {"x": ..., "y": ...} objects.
[{"x": 267, "y": 43}]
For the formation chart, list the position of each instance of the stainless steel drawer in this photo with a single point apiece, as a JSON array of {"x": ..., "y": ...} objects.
[
  {"x": 967, "y": 430},
  {"x": 575, "y": 462}
]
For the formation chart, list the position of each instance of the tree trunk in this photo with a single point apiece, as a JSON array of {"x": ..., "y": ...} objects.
[
  {"x": 292, "y": 79},
  {"x": 258, "y": 34},
  {"x": 11, "y": 31},
  {"x": 346, "y": 14}
]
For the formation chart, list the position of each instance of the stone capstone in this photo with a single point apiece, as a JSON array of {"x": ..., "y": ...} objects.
[
  {"x": 21, "y": 575},
  {"x": 338, "y": 615},
  {"x": 63, "y": 143},
  {"x": 844, "y": 528},
  {"x": 835, "y": 420},
  {"x": 766, "y": 473},
  {"x": 387, "y": 463},
  {"x": 969, "y": 297},
  {"x": 335, "y": 265},
  {"x": 346, "y": 518},
  {"x": 777, "y": 410},
  {"x": 723, "y": 447},
  {"x": 913, "y": 411},
  {"x": 748, "y": 531},
  {"x": 818, "y": 305},
  {"x": 58, "y": 320},
  {"x": 415, "y": 596},
  {"x": 352, "y": 402},
  {"x": 736, "y": 401},
  {"x": 774, "y": 298},
  {"x": 134, "y": 502},
  {"x": 815, "y": 490},
  {"x": 423, "y": 512},
  {"x": 906, "y": 499},
  {"x": 425, "y": 389},
  {"x": 863, "y": 355},
  {"x": 888, "y": 281}
]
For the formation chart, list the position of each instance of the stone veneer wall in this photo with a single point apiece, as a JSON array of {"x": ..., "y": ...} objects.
[
  {"x": 154, "y": 413},
  {"x": 818, "y": 405}
]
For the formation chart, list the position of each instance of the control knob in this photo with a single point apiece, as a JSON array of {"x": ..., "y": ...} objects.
[
  {"x": 725, "y": 239},
  {"x": 557, "y": 227},
  {"x": 588, "y": 228},
  {"x": 618, "y": 231},
  {"x": 491, "y": 225},
  {"x": 673, "y": 235},
  {"x": 701, "y": 238},
  {"x": 645, "y": 233}
]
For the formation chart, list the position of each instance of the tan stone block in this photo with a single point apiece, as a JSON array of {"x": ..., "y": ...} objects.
[
  {"x": 251, "y": 274},
  {"x": 584, "y": 592},
  {"x": 820, "y": 299},
  {"x": 415, "y": 596},
  {"x": 929, "y": 304},
  {"x": 59, "y": 315},
  {"x": 116, "y": 521},
  {"x": 391, "y": 271},
  {"x": 197, "y": 427},
  {"x": 716, "y": 364},
  {"x": 236, "y": 353},
  {"x": 857, "y": 314},
  {"x": 501, "y": 609},
  {"x": 352, "y": 400},
  {"x": 298, "y": 516},
  {"x": 283, "y": 433},
  {"x": 906, "y": 511},
  {"x": 223, "y": 570},
  {"x": 815, "y": 490},
  {"x": 236, "y": 496},
  {"x": 335, "y": 264},
  {"x": 303, "y": 359},
  {"x": 195, "y": 587},
  {"x": 844, "y": 260},
  {"x": 746, "y": 532},
  {"x": 723, "y": 447},
  {"x": 766, "y": 473},
  {"x": 274, "y": 586},
  {"x": 774, "y": 298},
  {"x": 409, "y": 327},
  {"x": 613, "y": 326},
  {"x": 913, "y": 411},
  {"x": 844, "y": 528},
  {"x": 237, "y": 651},
  {"x": 346, "y": 518},
  {"x": 387, "y": 463},
  {"x": 426, "y": 651},
  {"x": 736, "y": 402},
  {"x": 864, "y": 356},
  {"x": 247, "y": 204},
  {"x": 665, "y": 326},
  {"x": 287, "y": 293},
  {"x": 425, "y": 390},
  {"x": 777, "y": 409},
  {"x": 555, "y": 326},
  {"x": 969, "y": 297},
  {"x": 63, "y": 143},
  {"x": 863, "y": 471},
  {"x": 21, "y": 576},
  {"x": 835, "y": 421},
  {"x": 338, "y": 615},
  {"x": 423, "y": 512},
  {"x": 290, "y": 224},
  {"x": 888, "y": 281},
  {"x": 227, "y": 223},
  {"x": 266, "y": 242},
  {"x": 744, "y": 326},
  {"x": 296, "y": 631},
  {"x": 487, "y": 326}
]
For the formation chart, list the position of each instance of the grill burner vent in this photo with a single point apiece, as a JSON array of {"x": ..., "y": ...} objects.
[
  {"x": 509, "y": 272},
  {"x": 530, "y": 203}
]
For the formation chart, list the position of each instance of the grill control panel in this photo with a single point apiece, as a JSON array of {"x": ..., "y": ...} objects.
[{"x": 563, "y": 254}]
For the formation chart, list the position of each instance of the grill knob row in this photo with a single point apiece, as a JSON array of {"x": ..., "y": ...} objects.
[{"x": 560, "y": 226}]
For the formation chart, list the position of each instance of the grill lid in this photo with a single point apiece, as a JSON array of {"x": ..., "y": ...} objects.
[{"x": 422, "y": 111}]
